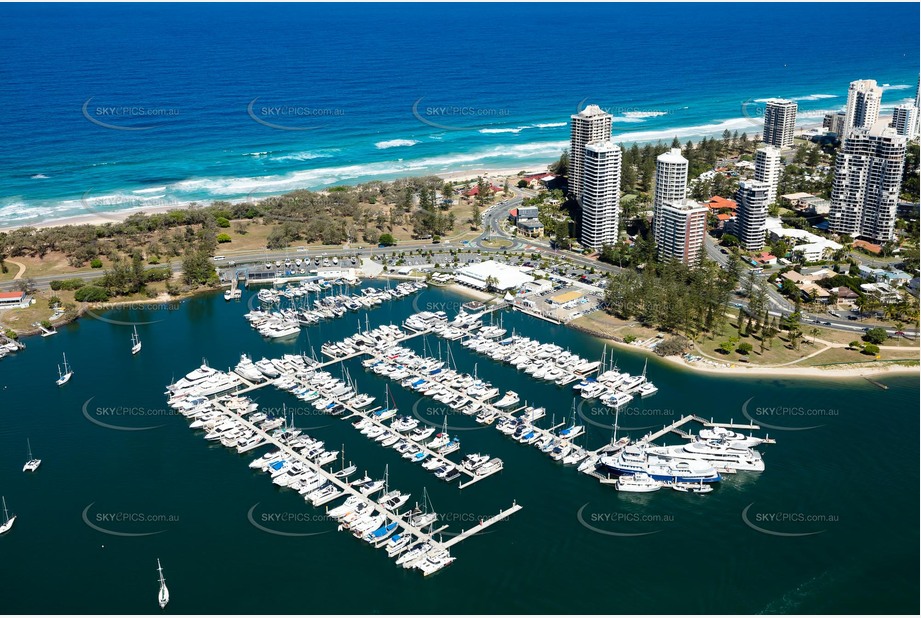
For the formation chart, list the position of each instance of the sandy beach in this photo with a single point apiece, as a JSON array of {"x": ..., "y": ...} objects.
[{"x": 813, "y": 372}]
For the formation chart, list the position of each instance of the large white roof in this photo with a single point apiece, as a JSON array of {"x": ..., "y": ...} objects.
[{"x": 507, "y": 277}]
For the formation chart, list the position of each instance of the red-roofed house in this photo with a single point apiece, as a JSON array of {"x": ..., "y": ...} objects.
[
  {"x": 766, "y": 258},
  {"x": 476, "y": 190},
  {"x": 13, "y": 299},
  {"x": 721, "y": 203}
]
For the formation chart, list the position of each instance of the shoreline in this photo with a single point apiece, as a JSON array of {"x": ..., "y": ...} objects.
[
  {"x": 845, "y": 371},
  {"x": 95, "y": 217}
]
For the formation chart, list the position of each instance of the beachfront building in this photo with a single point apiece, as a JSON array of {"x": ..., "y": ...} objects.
[
  {"x": 600, "y": 194},
  {"x": 904, "y": 120},
  {"x": 592, "y": 124},
  {"x": 752, "y": 198},
  {"x": 868, "y": 178},
  {"x": 671, "y": 180},
  {"x": 834, "y": 122},
  {"x": 767, "y": 169},
  {"x": 679, "y": 231},
  {"x": 862, "y": 110},
  {"x": 779, "y": 122}
]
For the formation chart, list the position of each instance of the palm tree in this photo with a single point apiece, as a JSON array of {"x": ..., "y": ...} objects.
[
  {"x": 815, "y": 333},
  {"x": 491, "y": 282}
]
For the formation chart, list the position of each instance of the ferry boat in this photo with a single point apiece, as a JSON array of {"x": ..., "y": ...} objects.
[
  {"x": 692, "y": 488},
  {"x": 637, "y": 483}
]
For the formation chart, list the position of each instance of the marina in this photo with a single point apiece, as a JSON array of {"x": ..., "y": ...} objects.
[{"x": 206, "y": 487}]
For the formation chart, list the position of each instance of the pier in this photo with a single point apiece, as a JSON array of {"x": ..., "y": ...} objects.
[
  {"x": 483, "y": 525},
  {"x": 346, "y": 489}
]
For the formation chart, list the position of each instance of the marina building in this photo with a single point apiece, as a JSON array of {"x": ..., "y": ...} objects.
[
  {"x": 779, "y": 122},
  {"x": 862, "y": 110},
  {"x": 503, "y": 276},
  {"x": 752, "y": 198},
  {"x": 592, "y": 124},
  {"x": 767, "y": 169},
  {"x": 868, "y": 178},
  {"x": 10, "y": 300},
  {"x": 600, "y": 194},
  {"x": 679, "y": 231}
]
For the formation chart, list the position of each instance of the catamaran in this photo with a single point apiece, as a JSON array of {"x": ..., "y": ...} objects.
[
  {"x": 64, "y": 376},
  {"x": 135, "y": 342},
  {"x": 163, "y": 596},
  {"x": 7, "y": 520},
  {"x": 32, "y": 464}
]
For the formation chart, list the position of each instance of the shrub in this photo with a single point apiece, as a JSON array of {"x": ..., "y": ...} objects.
[
  {"x": 96, "y": 263},
  {"x": 66, "y": 284},
  {"x": 223, "y": 222},
  {"x": 91, "y": 294},
  {"x": 876, "y": 335},
  {"x": 629, "y": 339},
  {"x": 744, "y": 348},
  {"x": 871, "y": 349},
  {"x": 855, "y": 344},
  {"x": 222, "y": 238}
]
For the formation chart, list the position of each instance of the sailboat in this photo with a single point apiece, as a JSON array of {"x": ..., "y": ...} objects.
[
  {"x": 135, "y": 342},
  {"x": 64, "y": 376},
  {"x": 7, "y": 520},
  {"x": 163, "y": 596},
  {"x": 32, "y": 464},
  {"x": 345, "y": 472}
]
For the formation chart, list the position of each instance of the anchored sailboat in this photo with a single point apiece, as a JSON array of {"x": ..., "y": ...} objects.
[
  {"x": 163, "y": 596},
  {"x": 32, "y": 464},
  {"x": 7, "y": 520},
  {"x": 135, "y": 342},
  {"x": 64, "y": 376}
]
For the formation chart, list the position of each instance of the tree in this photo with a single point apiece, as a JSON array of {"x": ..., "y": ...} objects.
[
  {"x": 876, "y": 335},
  {"x": 476, "y": 219},
  {"x": 871, "y": 349},
  {"x": 491, "y": 282},
  {"x": 744, "y": 348},
  {"x": 726, "y": 347},
  {"x": 560, "y": 167},
  {"x": 387, "y": 240}
]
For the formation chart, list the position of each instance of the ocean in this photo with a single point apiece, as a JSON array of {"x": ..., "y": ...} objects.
[
  {"x": 110, "y": 107},
  {"x": 841, "y": 483}
]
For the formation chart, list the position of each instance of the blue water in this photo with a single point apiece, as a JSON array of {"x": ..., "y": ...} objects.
[{"x": 493, "y": 87}]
